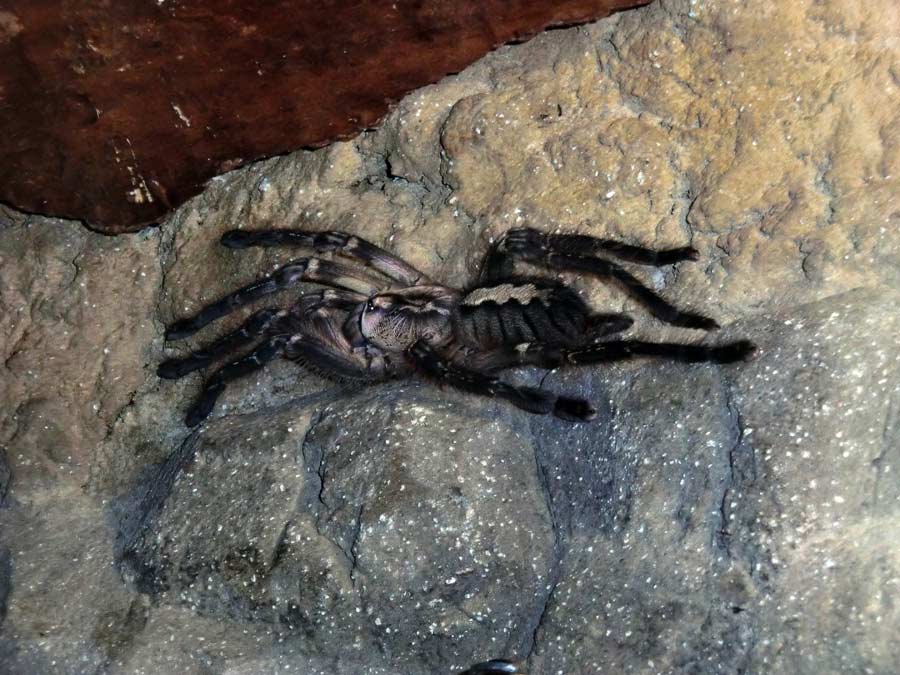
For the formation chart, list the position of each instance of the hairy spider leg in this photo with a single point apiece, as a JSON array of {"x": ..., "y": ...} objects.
[
  {"x": 315, "y": 319},
  {"x": 530, "y": 399},
  {"x": 531, "y": 246},
  {"x": 331, "y": 360},
  {"x": 343, "y": 243},
  {"x": 601, "y": 325},
  {"x": 256, "y": 325},
  {"x": 498, "y": 264},
  {"x": 583, "y": 244},
  {"x": 554, "y": 356},
  {"x": 215, "y": 385},
  {"x": 319, "y": 343},
  {"x": 295, "y": 272},
  {"x": 618, "y": 350}
]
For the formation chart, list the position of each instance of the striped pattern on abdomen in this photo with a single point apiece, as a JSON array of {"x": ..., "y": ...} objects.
[{"x": 513, "y": 312}]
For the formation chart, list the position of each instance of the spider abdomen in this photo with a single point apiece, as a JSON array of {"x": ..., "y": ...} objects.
[{"x": 516, "y": 311}]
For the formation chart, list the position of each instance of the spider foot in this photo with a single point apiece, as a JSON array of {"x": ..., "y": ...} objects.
[
  {"x": 203, "y": 407},
  {"x": 524, "y": 242},
  {"x": 674, "y": 255},
  {"x": 573, "y": 409},
  {"x": 742, "y": 350},
  {"x": 181, "y": 329},
  {"x": 175, "y": 369},
  {"x": 691, "y": 320},
  {"x": 238, "y": 239}
]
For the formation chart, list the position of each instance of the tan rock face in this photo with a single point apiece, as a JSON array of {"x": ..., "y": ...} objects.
[
  {"x": 772, "y": 150},
  {"x": 764, "y": 135},
  {"x": 78, "y": 327}
]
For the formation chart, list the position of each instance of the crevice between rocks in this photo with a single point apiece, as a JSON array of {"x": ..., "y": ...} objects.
[
  {"x": 316, "y": 457},
  {"x": 737, "y": 531},
  {"x": 554, "y": 571},
  {"x": 889, "y": 436},
  {"x": 736, "y": 428}
]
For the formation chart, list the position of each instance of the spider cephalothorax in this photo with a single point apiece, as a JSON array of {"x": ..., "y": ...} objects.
[
  {"x": 395, "y": 321},
  {"x": 383, "y": 319}
]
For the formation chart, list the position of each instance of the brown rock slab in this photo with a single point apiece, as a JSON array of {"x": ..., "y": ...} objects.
[{"x": 116, "y": 113}]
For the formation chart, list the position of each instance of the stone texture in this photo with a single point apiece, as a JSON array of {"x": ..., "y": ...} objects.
[
  {"x": 79, "y": 338},
  {"x": 736, "y": 519},
  {"x": 117, "y": 113},
  {"x": 355, "y": 536},
  {"x": 768, "y": 511}
]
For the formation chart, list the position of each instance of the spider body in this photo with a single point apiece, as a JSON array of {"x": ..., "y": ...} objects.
[
  {"x": 383, "y": 319},
  {"x": 395, "y": 321}
]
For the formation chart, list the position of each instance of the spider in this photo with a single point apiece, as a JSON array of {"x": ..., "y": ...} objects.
[{"x": 383, "y": 318}]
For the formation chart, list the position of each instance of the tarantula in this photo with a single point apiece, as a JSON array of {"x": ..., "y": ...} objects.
[{"x": 383, "y": 319}]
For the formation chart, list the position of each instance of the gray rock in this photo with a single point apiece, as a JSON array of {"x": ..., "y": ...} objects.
[
  {"x": 752, "y": 492},
  {"x": 384, "y": 529},
  {"x": 694, "y": 524}
]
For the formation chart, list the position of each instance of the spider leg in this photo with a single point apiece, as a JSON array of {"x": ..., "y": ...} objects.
[
  {"x": 498, "y": 264},
  {"x": 535, "y": 247},
  {"x": 335, "y": 361},
  {"x": 582, "y": 244},
  {"x": 343, "y": 243},
  {"x": 318, "y": 341},
  {"x": 256, "y": 325},
  {"x": 552, "y": 356},
  {"x": 530, "y": 399},
  {"x": 215, "y": 385},
  {"x": 319, "y": 314},
  {"x": 619, "y": 350},
  {"x": 601, "y": 325},
  {"x": 288, "y": 276}
]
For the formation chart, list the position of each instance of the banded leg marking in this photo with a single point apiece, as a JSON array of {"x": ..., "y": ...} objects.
[
  {"x": 290, "y": 275},
  {"x": 535, "y": 247},
  {"x": 343, "y": 243},
  {"x": 530, "y": 399},
  {"x": 257, "y": 324}
]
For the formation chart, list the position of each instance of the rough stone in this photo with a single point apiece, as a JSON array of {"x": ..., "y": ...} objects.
[
  {"x": 356, "y": 535},
  {"x": 79, "y": 337},
  {"x": 735, "y": 519},
  {"x": 769, "y": 510}
]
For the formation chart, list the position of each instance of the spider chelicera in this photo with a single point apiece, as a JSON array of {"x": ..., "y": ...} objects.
[{"x": 381, "y": 318}]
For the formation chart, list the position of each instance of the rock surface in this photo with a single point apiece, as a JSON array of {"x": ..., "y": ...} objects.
[{"x": 711, "y": 519}]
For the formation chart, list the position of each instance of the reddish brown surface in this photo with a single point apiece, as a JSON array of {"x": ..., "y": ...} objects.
[{"x": 116, "y": 111}]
